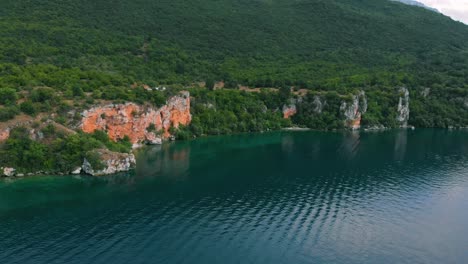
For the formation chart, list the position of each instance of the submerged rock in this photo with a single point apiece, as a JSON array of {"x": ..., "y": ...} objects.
[{"x": 111, "y": 163}]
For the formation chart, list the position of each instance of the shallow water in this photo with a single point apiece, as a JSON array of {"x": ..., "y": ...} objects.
[{"x": 285, "y": 197}]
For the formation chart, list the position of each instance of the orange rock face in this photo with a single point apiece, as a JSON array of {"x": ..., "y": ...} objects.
[
  {"x": 355, "y": 124},
  {"x": 4, "y": 134},
  {"x": 289, "y": 111},
  {"x": 134, "y": 121}
]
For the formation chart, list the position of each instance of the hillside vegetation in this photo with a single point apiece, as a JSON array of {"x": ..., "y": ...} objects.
[
  {"x": 311, "y": 43},
  {"x": 59, "y": 57}
]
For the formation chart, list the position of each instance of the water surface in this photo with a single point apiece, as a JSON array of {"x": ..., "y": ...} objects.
[{"x": 285, "y": 197}]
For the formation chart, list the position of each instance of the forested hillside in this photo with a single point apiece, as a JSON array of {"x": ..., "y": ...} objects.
[
  {"x": 311, "y": 43},
  {"x": 332, "y": 63}
]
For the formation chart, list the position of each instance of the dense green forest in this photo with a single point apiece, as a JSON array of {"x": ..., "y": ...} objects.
[
  {"x": 62, "y": 56},
  {"x": 311, "y": 43}
]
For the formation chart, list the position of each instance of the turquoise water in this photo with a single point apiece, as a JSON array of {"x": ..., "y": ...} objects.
[{"x": 285, "y": 197}]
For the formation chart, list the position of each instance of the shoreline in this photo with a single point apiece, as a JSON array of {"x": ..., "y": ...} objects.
[{"x": 13, "y": 175}]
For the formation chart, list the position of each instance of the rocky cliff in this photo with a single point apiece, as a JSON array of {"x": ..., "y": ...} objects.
[
  {"x": 289, "y": 109},
  {"x": 318, "y": 104},
  {"x": 111, "y": 163},
  {"x": 354, "y": 110},
  {"x": 403, "y": 111},
  {"x": 141, "y": 124}
]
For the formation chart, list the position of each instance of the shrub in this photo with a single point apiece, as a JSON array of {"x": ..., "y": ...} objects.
[
  {"x": 28, "y": 108},
  {"x": 8, "y": 113},
  {"x": 7, "y": 96},
  {"x": 42, "y": 94}
]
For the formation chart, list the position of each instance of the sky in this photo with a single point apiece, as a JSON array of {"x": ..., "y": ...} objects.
[{"x": 456, "y": 9}]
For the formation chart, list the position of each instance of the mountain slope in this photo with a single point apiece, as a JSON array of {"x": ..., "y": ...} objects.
[
  {"x": 352, "y": 64},
  {"x": 306, "y": 41},
  {"x": 416, "y": 3}
]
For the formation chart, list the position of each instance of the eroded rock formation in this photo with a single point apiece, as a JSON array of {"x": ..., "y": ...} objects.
[
  {"x": 7, "y": 172},
  {"x": 354, "y": 110},
  {"x": 142, "y": 124},
  {"x": 318, "y": 105},
  {"x": 113, "y": 162},
  {"x": 403, "y": 111},
  {"x": 289, "y": 110}
]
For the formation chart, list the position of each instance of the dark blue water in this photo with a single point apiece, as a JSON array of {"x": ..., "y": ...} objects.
[{"x": 289, "y": 197}]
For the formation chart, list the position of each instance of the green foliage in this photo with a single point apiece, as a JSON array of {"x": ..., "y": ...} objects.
[
  {"x": 210, "y": 84},
  {"x": 28, "y": 108},
  {"x": 49, "y": 130},
  {"x": 59, "y": 153},
  {"x": 181, "y": 133},
  {"x": 8, "y": 113},
  {"x": 7, "y": 96},
  {"x": 440, "y": 108},
  {"x": 67, "y": 54},
  {"x": 95, "y": 160},
  {"x": 73, "y": 45},
  {"x": 151, "y": 128},
  {"x": 382, "y": 107},
  {"x": 77, "y": 91},
  {"x": 233, "y": 111},
  {"x": 23, "y": 152},
  {"x": 326, "y": 116},
  {"x": 42, "y": 95},
  {"x": 123, "y": 145}
]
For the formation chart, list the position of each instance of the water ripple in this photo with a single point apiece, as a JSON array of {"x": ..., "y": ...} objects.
[{"x": 307, "y": 197}]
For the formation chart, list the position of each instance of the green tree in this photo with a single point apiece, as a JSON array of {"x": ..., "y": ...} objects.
[{"x": 7, "y": 96}]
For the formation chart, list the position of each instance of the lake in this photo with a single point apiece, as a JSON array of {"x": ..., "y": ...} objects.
[{"x": 285, "y": 197}]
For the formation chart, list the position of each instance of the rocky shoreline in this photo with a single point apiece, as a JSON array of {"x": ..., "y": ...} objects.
[
  {"x": 145, "y": 125},
  {"x": 140, "y": 125},
  {"x": 114, "y": 162}
]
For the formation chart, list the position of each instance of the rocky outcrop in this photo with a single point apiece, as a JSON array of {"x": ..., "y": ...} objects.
[
  {"x": 318, "y": 105},
  {"x": 425, "y": 92},
  {"x": 354, "y": 110},
  {"x": 7, "y": 172},
  {"x": 289, "y": 110},
  {"x": 4, "y": 134},
  {"x": 141, "y": 124},
  {"x": 112, "y": 162},
  {"x": 403, "y": 111}
]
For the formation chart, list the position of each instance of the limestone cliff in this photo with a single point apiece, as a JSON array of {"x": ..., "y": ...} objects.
[
  {"x": 7, "y": 172},
  {"x": 354, "y": 110},
  {"x": 112, "y": 162},
  {"x": 142, "y": 124},
  {"x": 403, "y": 111},
  {"x": 318, "y": 104},
  {"x": 289, "y": 109}
]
